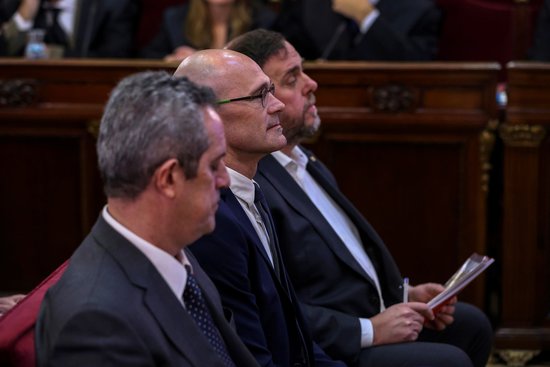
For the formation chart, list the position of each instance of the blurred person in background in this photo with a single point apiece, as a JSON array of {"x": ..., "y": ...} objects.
[
  {"x": 72, "y": 28},
  {"x": 202, "y": 24},
  {"x": 361, "y": 29},
  {"x": 541, "y": 42}
]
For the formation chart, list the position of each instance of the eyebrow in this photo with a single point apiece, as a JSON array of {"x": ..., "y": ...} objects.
[
  {"x": 262, "y": 87},
  {"x": 293, "y": 70}
]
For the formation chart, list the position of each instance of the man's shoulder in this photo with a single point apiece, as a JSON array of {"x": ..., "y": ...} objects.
[
  {"x": 229, "y": 221},
  {"x": 90, "y": 276}
]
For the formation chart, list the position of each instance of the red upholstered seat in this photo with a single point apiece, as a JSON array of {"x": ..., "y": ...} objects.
[{"x": 17, "y": 325}]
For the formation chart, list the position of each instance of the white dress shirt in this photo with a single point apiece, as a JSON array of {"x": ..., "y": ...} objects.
[
  {"x": 67, "y": 16},
  {"x": 369, "y": 19},
  {"x": 338, "y": 220},
  {"x": 170, "y": 268},
  {"x": 243, "y": 188}
]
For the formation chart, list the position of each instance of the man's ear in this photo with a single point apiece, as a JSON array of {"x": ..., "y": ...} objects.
[{"x": 166, "y": 176}]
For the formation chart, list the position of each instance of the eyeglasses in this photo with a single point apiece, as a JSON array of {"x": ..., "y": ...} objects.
[{"x": 263, "y": 95}]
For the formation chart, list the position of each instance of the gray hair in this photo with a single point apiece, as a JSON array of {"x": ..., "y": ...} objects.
[{"x": 150, "y": 117}]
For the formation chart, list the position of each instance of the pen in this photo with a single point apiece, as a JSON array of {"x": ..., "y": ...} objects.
[{"x": 405, "y": 290}]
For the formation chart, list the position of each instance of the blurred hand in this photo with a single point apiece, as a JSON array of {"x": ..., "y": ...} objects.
[
  {"x": 8, "y": 302},
  {"x": 180, "y": 53},
  {"x": 400, "y": 323},
  {"x": 28, "y": 9},
  {"x": 354, "y": 9},
  {"x": 424, "y": 293}
]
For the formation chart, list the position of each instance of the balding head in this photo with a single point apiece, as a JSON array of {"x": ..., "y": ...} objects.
[
  {"x": 217, "y": 69},
  {"x": 250, "y": 112}
]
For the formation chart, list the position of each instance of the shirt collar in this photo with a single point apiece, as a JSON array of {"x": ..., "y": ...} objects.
[
  {"x": 172, "y": 269},
  {"x": 241, "y": 186},
  {"x": 297, "y": 157}
]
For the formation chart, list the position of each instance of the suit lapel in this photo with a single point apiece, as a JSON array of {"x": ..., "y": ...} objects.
[
  {"x": 291, "y": 192},
  {"x": 281, "y": 281},
  {"x": 283, "y": 284},
  {"x": 178, "y": 325},
  {"x": 237, "y": 210},
  {"x": 372, "y": 243}
]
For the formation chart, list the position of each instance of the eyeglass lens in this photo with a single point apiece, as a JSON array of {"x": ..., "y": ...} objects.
[{"x": 265, "y": 92}]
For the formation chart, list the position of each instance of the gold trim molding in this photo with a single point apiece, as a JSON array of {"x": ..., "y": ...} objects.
[
  {"x": 523, "y": 135},
  {"x": 92, "y": 127},
  {"x": 517, "y": 357}
]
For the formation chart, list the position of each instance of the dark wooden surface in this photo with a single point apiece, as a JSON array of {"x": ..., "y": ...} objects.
[{"x": 50, "y": 190}]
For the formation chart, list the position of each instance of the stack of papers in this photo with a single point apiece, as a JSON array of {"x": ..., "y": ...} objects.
[{"x": 471, "y": 268}]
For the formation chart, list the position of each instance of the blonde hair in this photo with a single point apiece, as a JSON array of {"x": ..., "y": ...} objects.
[{"x": 198, "y": 25}]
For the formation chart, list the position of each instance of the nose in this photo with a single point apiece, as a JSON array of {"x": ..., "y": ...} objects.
[
  {"x": 310, "y": 85},
  {"x": 274, "y": 105},
  {"x": 222, "y": 180}
]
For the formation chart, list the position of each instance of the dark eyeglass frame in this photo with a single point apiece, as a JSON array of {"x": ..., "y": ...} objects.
[{"x": 263, "y": 95}]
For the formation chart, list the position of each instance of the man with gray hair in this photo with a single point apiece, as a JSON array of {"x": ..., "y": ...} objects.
[{"x": 132, "y": 294}]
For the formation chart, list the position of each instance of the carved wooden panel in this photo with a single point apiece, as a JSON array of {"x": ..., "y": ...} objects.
[
  {"x": 526, "y": 216},
  {"x": 50, "y": 189}
]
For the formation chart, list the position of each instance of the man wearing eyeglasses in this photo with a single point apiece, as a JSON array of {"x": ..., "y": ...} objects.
[
  {"x": 241, "y": 256},
  {"x": 345, "y": 276}
]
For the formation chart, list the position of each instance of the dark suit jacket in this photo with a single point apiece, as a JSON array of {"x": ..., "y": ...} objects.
[
  {"x": 541, "y": 41},
  {"x": 10, "y": 39},
  {"x": 171, "y": 35},
  {"x": 405, "y": 30},
  {"x": 333, "y": 288},
  {"x": 104, "y": 28},
  {"x": 112, "y": 307},
  {"x": 266, "y": 311}
]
